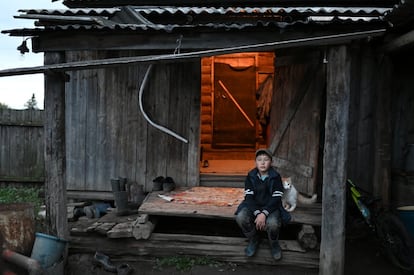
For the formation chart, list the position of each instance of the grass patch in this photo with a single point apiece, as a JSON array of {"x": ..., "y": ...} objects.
[
  {"x": 184, "y": 263},
  {"x": 21, "y": 195}
]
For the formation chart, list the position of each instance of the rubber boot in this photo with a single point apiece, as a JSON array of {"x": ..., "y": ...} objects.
[
  {"x": 275, "y": 250},
  {"x": 251, "y": 248}
]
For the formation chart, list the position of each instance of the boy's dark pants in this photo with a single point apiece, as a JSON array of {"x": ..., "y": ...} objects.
[{"x": 245, "y": 219}]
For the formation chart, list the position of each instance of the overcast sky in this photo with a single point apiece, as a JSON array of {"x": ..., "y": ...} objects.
[{"x": 15, "y": 91}]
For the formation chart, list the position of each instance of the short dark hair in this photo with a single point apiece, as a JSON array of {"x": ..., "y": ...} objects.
[{"x": 264, "y": 151}]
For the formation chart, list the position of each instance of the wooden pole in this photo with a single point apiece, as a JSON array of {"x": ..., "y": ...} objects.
[
  {"x": 55, "y": 155},
  {"x": 332, "y": 251}
]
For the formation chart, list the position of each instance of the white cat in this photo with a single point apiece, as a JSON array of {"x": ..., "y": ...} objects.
[{"x": 291, "y": 196}]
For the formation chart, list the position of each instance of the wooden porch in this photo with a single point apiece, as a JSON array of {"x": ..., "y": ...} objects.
[{"x": 195, "y": 221}]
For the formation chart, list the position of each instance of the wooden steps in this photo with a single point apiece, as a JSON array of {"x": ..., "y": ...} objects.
[
  {"x": 222, "y": 180},
  {"x": 229, "y": 249},
  {"x": 200, "y": 228}
]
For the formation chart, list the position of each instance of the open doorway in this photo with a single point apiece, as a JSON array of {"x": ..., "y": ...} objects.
[{"x": 232, "y": 123}]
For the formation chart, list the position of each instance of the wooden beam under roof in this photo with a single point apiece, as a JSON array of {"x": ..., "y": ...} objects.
[{"x": 103, "y": 63}]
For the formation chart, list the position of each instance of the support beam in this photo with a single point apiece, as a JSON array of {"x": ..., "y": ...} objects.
[
  {"x": 171, "y": 58},
  {"x": 55, "y": 154},
  {"x": 332, "y": 251},
  {"x": 405, "y": 40}
]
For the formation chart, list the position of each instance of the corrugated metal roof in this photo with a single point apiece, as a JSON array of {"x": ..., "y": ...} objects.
[
  {"x": 371, "y": 11},
  {"x": 264, "y": 10},
  {"x": 150, "y": 18},
  {"x": 72, "y": 12}
]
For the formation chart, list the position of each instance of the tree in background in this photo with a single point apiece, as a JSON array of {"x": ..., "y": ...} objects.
[
  {"x": 3, "y": 106},
  {"x": 31, "y": 104}
]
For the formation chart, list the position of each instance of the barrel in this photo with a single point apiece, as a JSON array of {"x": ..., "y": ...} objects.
[
  {"x": 17, "y": 227},
  {"x": 406, "y": 214}
]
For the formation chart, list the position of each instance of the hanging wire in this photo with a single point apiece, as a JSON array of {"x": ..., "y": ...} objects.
[
  {"x": 178, "y": 41},
  {"x": 159, "y": 127}
]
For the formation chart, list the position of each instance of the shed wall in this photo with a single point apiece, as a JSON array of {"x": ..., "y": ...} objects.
[{"x": 108, "y": 136}]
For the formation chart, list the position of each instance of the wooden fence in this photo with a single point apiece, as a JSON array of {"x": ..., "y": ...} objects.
[{"x": 21, "y": 146}]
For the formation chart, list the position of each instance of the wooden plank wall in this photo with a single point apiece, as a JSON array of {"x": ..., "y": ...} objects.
[
  {"x": 21, "y": 146},
  {"x": 264, "y": 68},
  {"x": 361, "y": 115},
  {"x": 108, "y": 137},
  {"x": 298, "y": 92},
  {"x": 403, "y": 131},
  {"x": 370, "y": 135}
]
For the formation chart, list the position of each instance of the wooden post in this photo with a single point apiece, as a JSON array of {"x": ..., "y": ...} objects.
[
  {"x": 332, "y": 251},
  {"x": 55, "y": 155}
]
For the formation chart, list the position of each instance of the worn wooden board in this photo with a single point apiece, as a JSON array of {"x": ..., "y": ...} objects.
[
  {"x": 209, "y": 202},
  {"x": 229, "y": 249},
  {"x": 214, "y": 202}
]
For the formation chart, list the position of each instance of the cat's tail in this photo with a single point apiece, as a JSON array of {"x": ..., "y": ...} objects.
[{"x": 306, "y": 200}]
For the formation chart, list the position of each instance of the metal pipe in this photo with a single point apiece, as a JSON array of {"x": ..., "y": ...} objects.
[
  {"x": 25, "y": 262},
  {"x": 141, "y": 107}
]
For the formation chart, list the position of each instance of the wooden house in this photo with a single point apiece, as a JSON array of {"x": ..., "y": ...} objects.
[{"x": 190, "y": 89}]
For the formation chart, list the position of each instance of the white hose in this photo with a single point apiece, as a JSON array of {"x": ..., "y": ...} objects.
[{"x": 159, "y": 127}]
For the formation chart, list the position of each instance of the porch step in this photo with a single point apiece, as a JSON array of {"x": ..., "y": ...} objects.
[
  {"x": 172, "y": 236},
  {"x": 226, "y": 249},
  {"x": 222, "y": 180}
]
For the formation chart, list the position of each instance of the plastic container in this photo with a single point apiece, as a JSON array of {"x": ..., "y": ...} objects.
[
  {"x": 409, "y": 158},
  {"x": 406, "y": 214},
  {"x": 48, "y": 250}
]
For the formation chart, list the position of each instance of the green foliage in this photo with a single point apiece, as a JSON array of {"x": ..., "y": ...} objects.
[
  {"x": 31, "y": 104},
  {"x": 184, "y": 263},
  {"x": 26, "y": 194},
  {"x": 3, "y": 106}
]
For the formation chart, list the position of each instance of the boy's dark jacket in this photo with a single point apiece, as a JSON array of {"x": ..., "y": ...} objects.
[{"x": 267, "y": 204}]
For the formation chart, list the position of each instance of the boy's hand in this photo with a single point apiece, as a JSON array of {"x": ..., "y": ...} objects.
[{"x": 260, "y": 222}]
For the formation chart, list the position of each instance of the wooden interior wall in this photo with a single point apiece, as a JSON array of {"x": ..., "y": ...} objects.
[
  {"x": 108, "y": 137},
  {"x": 264, "y": 68}
]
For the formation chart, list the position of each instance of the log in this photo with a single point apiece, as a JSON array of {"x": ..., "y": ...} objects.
[
  {"x": 307, "y": 237},
  {"x": 143, "y": 230},
  {"x": 142, "y": 218},
  {"x": 121, "y": 230},
  {"x": 103, "y": 228}
]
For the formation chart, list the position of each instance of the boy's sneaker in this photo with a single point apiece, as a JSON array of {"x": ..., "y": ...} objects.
[
  {"x": 276, "y": 250},
  {"x": 252, "y": 246}
]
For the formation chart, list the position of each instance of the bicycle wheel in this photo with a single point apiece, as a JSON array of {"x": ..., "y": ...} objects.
[{"x": 396, "y": 242}]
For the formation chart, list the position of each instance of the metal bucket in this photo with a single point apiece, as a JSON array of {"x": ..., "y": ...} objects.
[
  {"x": 17, "y": 227},
  {"x": 48, "y": 250}
]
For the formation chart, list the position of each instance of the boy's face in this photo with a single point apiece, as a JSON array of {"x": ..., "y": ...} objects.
[{"x": 263, "y": 163}]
